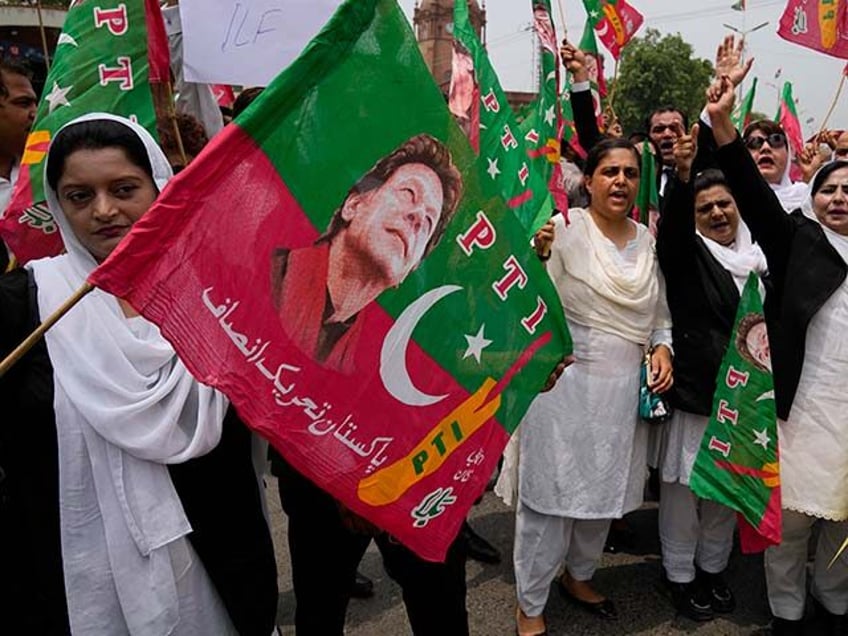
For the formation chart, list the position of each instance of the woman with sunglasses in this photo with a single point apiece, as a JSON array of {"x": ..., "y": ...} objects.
[
  {"x": 706, "y": 253},
  {"x": 767, "y": 143},
  {"x": 807, "y": 315}
]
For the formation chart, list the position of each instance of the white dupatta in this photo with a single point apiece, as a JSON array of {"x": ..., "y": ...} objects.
[{"x": 125, "y": 407}]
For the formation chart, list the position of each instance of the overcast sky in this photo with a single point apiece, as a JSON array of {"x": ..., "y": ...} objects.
[{"x": 814, "y": 75}]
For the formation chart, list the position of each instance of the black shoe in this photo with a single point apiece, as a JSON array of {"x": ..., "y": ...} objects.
[
  {"x": 785, "y": 627},
  {"x": 722, "y": 600},
  {"x": 363, "y": 587},
  {"x": 478, "y": 548},
  {"x": 690, "y": 600},
  {"x": 604, "y": 609},
  {"x": 827, "y": 623}
]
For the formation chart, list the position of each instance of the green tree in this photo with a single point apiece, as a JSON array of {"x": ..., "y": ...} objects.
[{"x": 657, "y": 71}]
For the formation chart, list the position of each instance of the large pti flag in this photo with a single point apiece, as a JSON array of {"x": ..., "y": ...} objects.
[
  {"x": 821, "y": 25},
  {"x": 285, "y": 265},
  {"x": 480, "y": 106},
  {"x": 543, "y": 126},
  {"x": 615, "y": 21},
  {"x": 107, "y": 55},
  {"x": 737, "y": 464}
]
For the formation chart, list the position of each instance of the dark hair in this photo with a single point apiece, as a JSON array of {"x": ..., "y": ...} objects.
[
  {"x": 710, "y": 178},
  {"x": 245, "y": 99},
  {"x": 12, "y": 67},
  {"x": 422, "y": 149},
  {"x": 822, "y": 175},
  {"x": 666, "y": 109},
  {"x": 765, "y": 126},
  {"x": 603, "y": 148},
  {"x": 192, "y": 134},
  {"x": 94, "y": 135}
]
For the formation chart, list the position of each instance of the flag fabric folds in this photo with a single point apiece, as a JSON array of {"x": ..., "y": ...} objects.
[
  {"x": 595, "y": 66},
  {"x": 821, "y": 26},
  {"x": 479, "y": 105},
  {"x": 107, "y": 55},
  {"x": 286, "y": 265},
  {"x": 742, "y": 113},
  {"x": 615, "y": 21},
  {"x": 737, "y": 464},
  {"x": 647, "y": 208},
  {"x": 787, "y": 117},
  {"x": 543, "y": 126}
]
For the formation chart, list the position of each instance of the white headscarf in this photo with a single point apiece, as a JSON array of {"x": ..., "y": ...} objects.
[
  {"x": 740, "y": 258},
  {"x": 792, "y": 195},
  {"x": 125, "y": 407}
]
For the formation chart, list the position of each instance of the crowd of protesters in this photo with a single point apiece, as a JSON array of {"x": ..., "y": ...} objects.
[{"x": 131, "y": 500}]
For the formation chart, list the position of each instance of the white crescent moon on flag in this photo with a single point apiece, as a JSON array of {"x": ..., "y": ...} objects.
[
  {"x": 603, "y": 32},
  {"x": 393, "y": 370},
  {"x": 64, "y": 38}
]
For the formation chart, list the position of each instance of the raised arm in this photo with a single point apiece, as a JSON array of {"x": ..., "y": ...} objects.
[
  {"x": 770, "y": 226},
  {"x": 582, "y": 104},
  {"x": 676, "y": 233}
]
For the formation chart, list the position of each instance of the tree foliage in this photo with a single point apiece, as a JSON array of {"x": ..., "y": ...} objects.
[{"x": 659, "y": 71}]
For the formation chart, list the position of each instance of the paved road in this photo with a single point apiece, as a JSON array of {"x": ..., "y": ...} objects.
[{"x": 632, "y": 580}]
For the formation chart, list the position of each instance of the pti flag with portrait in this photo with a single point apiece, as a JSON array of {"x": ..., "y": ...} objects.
[
  {"x": 738, "y": 462},
  {"x": 333, "y": 264}
]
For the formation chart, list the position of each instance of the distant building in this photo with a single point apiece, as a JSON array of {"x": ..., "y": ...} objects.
[
  {"x": 433, "y": 20},
  {"x": 20, "y": 36}
]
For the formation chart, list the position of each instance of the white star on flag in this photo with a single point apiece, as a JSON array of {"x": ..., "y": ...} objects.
[
  {"x": 762, "y": 438},
  {"x": 550, "y": 116},
  {"x": 58, "y": 97},
  {"x": 476, "y": 344},
  {"x": 594, "y": 15},
  {"x": 493, "y": 168}
]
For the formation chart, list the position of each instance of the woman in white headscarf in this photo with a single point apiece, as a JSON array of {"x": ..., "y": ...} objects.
[
  {"x": 706, "y": 254},
  {"x": 769, "y": 147},
  {"x": 124, "y": 408},
  {"x": 807, "y": 315}
]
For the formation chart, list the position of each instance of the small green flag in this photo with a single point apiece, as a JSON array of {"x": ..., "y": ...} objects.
[{"x": 742, "y": 113}]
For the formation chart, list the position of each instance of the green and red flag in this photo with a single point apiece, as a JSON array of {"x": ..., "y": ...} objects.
[
  {"x": 595, "y": 67},
  {"x": 480, "y": 107},
  {"x": 787, "y": 117},
  {"x": 821, "y": 26},
  {"x": 742, "y": 113},
  {"x": 647, "y": 208},
  {"x": 615, "y": 21},
  {"x": 543, "y": 126},
  {"x": 107, "y": 56},
  {"x": 284, "y": 265},
  {"x": 738, "y": 464}
]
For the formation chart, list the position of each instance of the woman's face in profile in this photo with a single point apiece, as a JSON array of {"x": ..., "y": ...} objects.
[{"x": 102, "y": 194}]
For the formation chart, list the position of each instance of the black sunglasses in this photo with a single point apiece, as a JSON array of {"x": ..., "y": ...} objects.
[{"x": 775, "y": 140}]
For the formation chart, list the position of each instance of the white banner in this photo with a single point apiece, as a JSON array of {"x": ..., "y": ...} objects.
[{"x": 247, "y": 42}]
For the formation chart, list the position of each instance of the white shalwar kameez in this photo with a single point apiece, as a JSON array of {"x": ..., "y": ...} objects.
[
  {"x": 814, "y": 466},
  {"x": 583, "y": 447}
]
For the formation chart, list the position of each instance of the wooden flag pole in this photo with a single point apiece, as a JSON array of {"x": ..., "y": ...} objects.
[
  {"x": 833, "y": 105},
  {"x": 562, "y": 20},
  {"x": 36, "y": 335},
  {"x": 172, "y": 115},
  {"x": 43, "y": 35}
]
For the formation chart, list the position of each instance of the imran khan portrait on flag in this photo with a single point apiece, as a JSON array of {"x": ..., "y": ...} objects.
[{"x": 337, "y": 264}]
